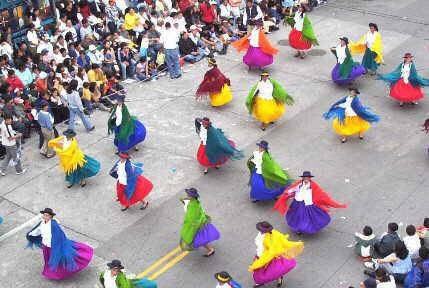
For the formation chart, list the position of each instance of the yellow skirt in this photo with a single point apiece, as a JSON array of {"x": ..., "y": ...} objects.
[
  {"x": 267, "y": 111},
  {"x": 221, "y": 98},
  {"x": 352, "y": 125}
]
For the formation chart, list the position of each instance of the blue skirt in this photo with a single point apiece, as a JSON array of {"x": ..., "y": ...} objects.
[
  {"x": 207, "y": 233},
  {"x": 144, "y": 283},
  {"x": 357, "y": 71},
  {"x": 134, "y": 139},
  {"x": 306, "y": 219},
  {"x": 90, "y": 169},
  {"x": 259, "y": 191},
  {"x": 368, "y": 60}
]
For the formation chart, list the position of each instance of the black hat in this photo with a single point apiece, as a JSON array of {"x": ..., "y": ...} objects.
[
  {"x": 115, "y": 264},
  {"x": 306, "y": 174},
  {"x": 354, "y": 89},
  {"x": 223, "y": 276},
  {"x": 264, "y": 227},
  {"x": 69, "y": 133},
  {"x": 345, "y": 39},
  {"x": 373, "y": 25},
  {"x": 192, "y": 192},
  {"x": 48, "y": 211},
  {"x": 370, "y": 283},
  {"x": 263, "y": 144}
]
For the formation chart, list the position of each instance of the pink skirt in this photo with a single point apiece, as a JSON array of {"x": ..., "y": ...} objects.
[
  {"x": 276, "y": 269},
  {"x": 83, "y": 257},
  {"x": 255, "y": 58}
]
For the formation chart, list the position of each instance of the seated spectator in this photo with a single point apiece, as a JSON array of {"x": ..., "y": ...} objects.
[
  {"x": 83, "y": 60},
  {"x": 126, "y": 62},
  {"x": 97, "y": 76},
  {"x": 419, "y": 274},
  {"x": 385, "y": 244},
  {"x": 13, "y": 81},
  {"x": 423, "y": 232},
  {"x": 154, "y": 42},
  {"x": 412, "y": 241},
  {"x": 189, "y": 50},
  {"x": 24, "y": 74},
  {"x": 131, "y": 21},
  {"x": 87, "y": 98},
  {"x": 142, "y": 69},
  {"x": 384, "y": 279},
  {"x": 208, "y": 12},
  {"x": 46, "y": 122},
  {"x": 95, "y": 56},
  {"x": 364, "y": 246},
  {"x": 368, "y": 283},
  {"x": 42, "y": 82}
]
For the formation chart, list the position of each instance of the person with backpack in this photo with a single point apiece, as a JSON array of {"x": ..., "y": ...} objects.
[{"x": 225, "y": 280}]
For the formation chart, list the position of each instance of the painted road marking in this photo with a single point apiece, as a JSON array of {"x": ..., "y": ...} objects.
[
  {"x": 15, "y": 230},
  {"x": 170, "y": 264},
  {"x": 159, "y": 262}
]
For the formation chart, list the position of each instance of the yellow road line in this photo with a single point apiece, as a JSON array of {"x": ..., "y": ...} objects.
[
  {"x": 159, "y": 262},
  {"x": 170, "y": 264}
]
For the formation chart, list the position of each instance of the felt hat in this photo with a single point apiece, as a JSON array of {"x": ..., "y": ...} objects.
[
  {"x": 264, "y": 227},
  {"x": 345, "y": 39},
  {"x": 212, "y": 61},
  {"x": 124, "y": 155},
  {"x": 265, "y": 73},
  {"x": 69, "y": 133},
  {"x": 408, "y": 55},
  {"x": 370, "y": 283},
  {"x": 48, "y": 211},
  {"x": 306, "y": 174},
  {"x": 115, "y": 264},
  {"x": 223, "y": 276},
  {"x": 354, "y": 89},
  {"x": 192, "y": 192},
  {"x": 263, "y": 144}
]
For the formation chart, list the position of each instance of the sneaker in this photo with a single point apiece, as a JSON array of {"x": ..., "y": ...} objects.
[
  {"x": 2, "y": 173},
  {"x": 21, "y": 172}
]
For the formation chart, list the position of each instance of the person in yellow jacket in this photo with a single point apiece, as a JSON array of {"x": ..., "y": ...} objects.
[
  {"x": 131, "y": 21},
  {"x": 371, "y": 46},
  {"x": 275, "y": 255}
]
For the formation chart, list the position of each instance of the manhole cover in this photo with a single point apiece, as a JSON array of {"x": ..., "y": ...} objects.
[
  {"x": 317, "y": 52},
  {"x": 283, "y": 42}
]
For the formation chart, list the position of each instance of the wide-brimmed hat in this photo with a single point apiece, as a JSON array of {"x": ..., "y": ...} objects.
[
  {"x": 212, "y": 61},
  {"x": 345, "y": 39},
  {"x": 124, "y": 155},
  {"x": 192, "y": 192},
  {"x": 264, "y": 227},
  {"x": 370, "y": 283},
  {"x": 223, "y": 276},
  {"x": 408, "y": 55},
  {"x": 354, "y": 89},
  {"x": 306, "y": 174},
  {"x": 69, "y": 133},
  {"x": 264, "y": 73},
  {"x": 48, "y": 211},
  {"x": 115, "y": 264},
  {"x": 263, "y": 144}
]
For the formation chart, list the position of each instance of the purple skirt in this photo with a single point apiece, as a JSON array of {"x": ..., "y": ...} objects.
[
  {"x": 306, "y": 219},
  {"x": 260, "y": 192},
  {"x": 357, "y": 71},
  {"x": 277, "y": 268},
  {"x": 255, "y": 58},
  {"x": 208, "y": 233},
  {"x": 83, "y": 257}
]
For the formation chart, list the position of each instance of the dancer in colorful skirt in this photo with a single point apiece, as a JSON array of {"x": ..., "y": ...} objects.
[
  {"x": 267, "y": 179},
  {"x": 275, "y": 255},
  {"x": 308, "y": 212},
  {"x": 266, "y": 100},
  {"x": 216, "y": 85},
  {"x": 225, "y": 280},
  {"x": 351, "y": 117},
  {"x": 370, "y": 44},
  {"x": 302, "y": 36},
  {"x": 131, "y": 187},
  {"x": 197, "y": 229},
  {"x": 114, "y": 277},
  {"x": 128, "y": 130},
  {"x": 215, "y": 149},
  {"x": 63, "y": 257},
  {"x": 405, "y": 82},
  {"x": 76, "y": 165},
  {"x": 346, "y": 70},
  {"x": 259, "y": 50}
]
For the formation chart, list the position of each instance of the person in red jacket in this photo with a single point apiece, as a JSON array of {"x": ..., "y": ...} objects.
[
  {"x": 208, "y": 12},
  {"x": 13, "y": 81}
]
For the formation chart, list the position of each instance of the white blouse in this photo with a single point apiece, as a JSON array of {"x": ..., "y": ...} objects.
[
  {"x": 224, "y": 285},
  {"x": 122, "y": 174},
  {"x": 203, "y": 135},
  {"x": 259, "y": 242},
  {"x": 348, "y": 106},
  {"x": 304, "y": 193},
  {"x": 257, "y": 160},
  {"x": 265, "y": 89},
  {"x": 186, "y": 203},
  {"x": 66, "y": 143},
  {"x": 118, "y": 115},
  {"x": 109, "y": 280},
  {"x": 341, "y": 53},
  {"x": 405, "y": 72},
  {"x": 44, "y": 230},
  {"x": 370, "y": 39},
  {"x": 299, "y": 21},
  {"x": 254, "y": 37}
]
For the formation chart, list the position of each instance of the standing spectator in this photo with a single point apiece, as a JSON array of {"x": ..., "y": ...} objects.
[
  {"x": 24, "y": 74},
  {"x": 46, "y": 122},
  {"x": 127, "y": 62},
  {"x": 412, "y": 241},
  {"x": 154, "y": 41},
  {"x": 32, "y": 38},
  {"x": 208, "y": 12},
  {"x": 76, "y": 107},
  {"x": 384, "y": 247},
  {"x": 169, "y": 39},
  {"x": 9, "y": 141}
]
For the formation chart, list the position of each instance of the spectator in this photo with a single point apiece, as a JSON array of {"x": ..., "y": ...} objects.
[
  {"x": 95, "y": 56},
  {"x": 384, "y": 279},
  {"x": 208, "y": 12},
  {"x": 76, "y": 107},
  {"x": 225, "y": 10},
  {"x": 9, "y": 141},
  {"x": 83, "y": 60},
  {"x": 24, "y": 74},
  {"x": 251, "y": 15},
  {"x": 142, "y": 68},
  {"x": 364, "y": 246},
  {"x": 131, "y": 21},
  {"x": 169, "y": 39},
  {"x": 385, "y": 244},
  {"x": 189, "y": 50},
  {"x": 128, "y": 64},
  {"x": 112, "y": 16},
  {"x": 419, "y": 274},
  {"x": 423, "y": 232},
  {"x": 412, "y": 241},
  {"x": 46, "y": 122},
  {"x": 154, "y": 41},
  {"x": 97, "y": 76},
  {"x": 32, "y": 38}
]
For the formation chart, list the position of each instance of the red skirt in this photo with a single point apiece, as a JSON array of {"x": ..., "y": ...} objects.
[
  {"x": 296, "y": 41},
  {"x": 204, "y": 161},
  {"x": 406, "y": 92},
  {"x": 143, "y": 187}
]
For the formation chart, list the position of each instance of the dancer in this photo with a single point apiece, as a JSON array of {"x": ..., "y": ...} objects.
[
  {"x": 346, "y": 70},
  {"x": 259, "y": 50},
  {"x": 308, "y": 212},
  {"x": 216, "y": 85},
  {"x": 275, "y": 255},
  {"x": 197, "y": 229},
  {"x": 302, "y": 36},
  {"x": 225, "y": 280},
  {"x": 267, "y": 179},
  {"x": 350, "y": 116},
  {"x": 113, "y": 277},
  {"x": 215, "y": 149},
  {"x": 131, "y": 186},
  {"x": 128, "y": 130},
  {"x": 370, "y": 44},
  {"x": 63, "y": 257},
  {"x": 76, "y": 165},
  {"x": 266, "y": 100},
  {"x": 405, "y": 82}
]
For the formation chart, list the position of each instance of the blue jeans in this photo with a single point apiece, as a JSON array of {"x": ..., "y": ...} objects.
[
  {"x": 173, "y": 62},
  {"x": 129, "y": 70},
  {"x": 75, "y": 111},
  {"x": 276, "y": 15},
  {"x": 195, "y": 58},
  {"x": 153, "y": 50}
]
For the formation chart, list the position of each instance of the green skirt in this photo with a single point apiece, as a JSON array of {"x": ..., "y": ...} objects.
[{"x": 368, "y": 60}]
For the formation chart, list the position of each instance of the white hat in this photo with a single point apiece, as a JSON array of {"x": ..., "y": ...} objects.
[
  {"x": 213, "y": 2},
  {"x": 193, "y": 27},
  {"x": 43, "y": 75},
  {"x": 93, "y": 20},
  {"x": 92, "y": 47},
  {"x": 173, "y": 10}
]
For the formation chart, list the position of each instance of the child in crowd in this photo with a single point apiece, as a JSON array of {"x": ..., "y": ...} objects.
[
  {"x": 412, "y": 242},
  {"x": 365, "y": 242},
  {"x": 423, "y": 232},
  {"x": 385, "y": 244},
  {"x": 86, "y": 98}
]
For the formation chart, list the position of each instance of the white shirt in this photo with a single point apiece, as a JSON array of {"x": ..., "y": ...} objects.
[
  {"x": 109, "y": 280},
  {"x": 32, "y": 37},
  {"x": 224, "y": 285},
  {"x": 299, "y": 21},
  {"x": 259, "y": 242},
  {"x": 186, "y": 203},
  {"x": 118, "y": 115},
  {"x": 7, "y": 131},
  {"x": 45, "y": 231},
  {"x": 413, "y": 245},
  {"x": 265, "y": 89},
  {"x": 405, "y": 72},
  {"x": 341, "y": 53},
  {"x": 254, "y": 37},
  {"x": 122, "y": 174},
  {"x": 370, "y": 39},
  {"x": 66, "y": 143},
  {"x": 225, "y": 10},
  {"x": 348, "y": 106},
  {"x": 390, "y": 284},
  {"x": 304, "y": 193},
  {"x": 257, "y": 159},
  {"x": 203, "y": 135},
  {"x": 169, "y": 38}
]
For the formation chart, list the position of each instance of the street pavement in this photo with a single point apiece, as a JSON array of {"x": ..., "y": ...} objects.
[{"x": 382, "y": 178}]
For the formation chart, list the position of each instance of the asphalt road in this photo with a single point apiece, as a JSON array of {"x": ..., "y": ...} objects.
[{"x": 382, "y": 179}]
